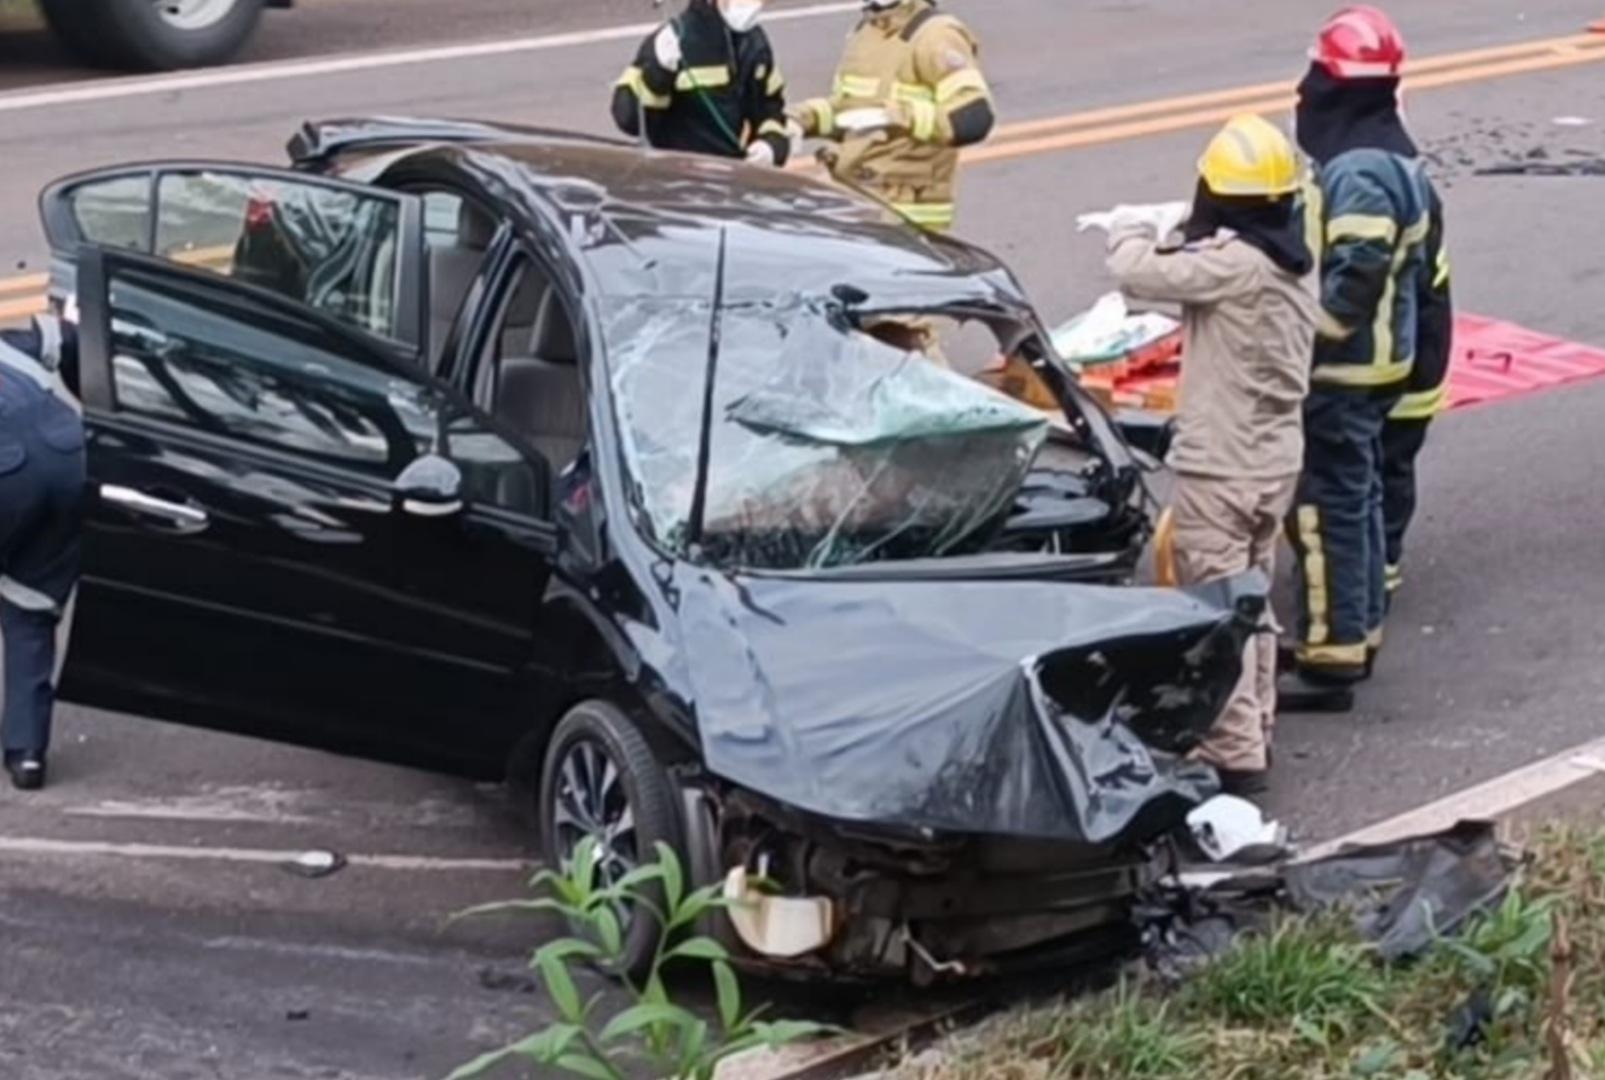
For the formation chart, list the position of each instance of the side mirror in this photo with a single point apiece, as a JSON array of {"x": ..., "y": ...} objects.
[{"x": 432, "y": 486}]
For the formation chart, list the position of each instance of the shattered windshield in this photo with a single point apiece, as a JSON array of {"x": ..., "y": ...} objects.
[{"x": 828, "y": 447}]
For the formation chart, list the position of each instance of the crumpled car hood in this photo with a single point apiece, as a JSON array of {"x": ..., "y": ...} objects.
[{"x": 1012, "y": 708}]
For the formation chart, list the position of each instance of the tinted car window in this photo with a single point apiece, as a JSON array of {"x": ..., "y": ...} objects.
[
  {"x": 182, "y": 355},
  {"x": 188, "y": 357},
  {"x": 336, "y": 250},
  {"x": 115, "y": 212},
  {"x": 328, "y": 247}
]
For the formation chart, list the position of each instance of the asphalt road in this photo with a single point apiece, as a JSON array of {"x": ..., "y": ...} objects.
[{"x": 225, "y": 967}]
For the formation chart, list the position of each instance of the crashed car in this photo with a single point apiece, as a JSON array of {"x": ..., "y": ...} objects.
[{"x": 493, "y": 449}]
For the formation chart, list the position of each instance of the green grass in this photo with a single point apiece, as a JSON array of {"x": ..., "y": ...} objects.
[{"x": 1308, "y": 1001}]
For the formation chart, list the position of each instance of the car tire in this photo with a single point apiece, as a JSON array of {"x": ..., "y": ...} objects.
[
  {"x": 140, "y": 35},
  {"x": 577, "y": 799}
]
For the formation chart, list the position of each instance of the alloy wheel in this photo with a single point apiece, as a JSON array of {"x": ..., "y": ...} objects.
[
  {"x": 193, "y": 14},
  {"x": 591, "y": 800}
]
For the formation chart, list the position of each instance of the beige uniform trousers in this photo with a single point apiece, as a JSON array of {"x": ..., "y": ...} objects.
[{"x": 1226, "y": 527}]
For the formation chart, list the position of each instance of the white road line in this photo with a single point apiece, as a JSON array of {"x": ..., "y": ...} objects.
[
  {"x": 1492, "y": 800},
  {"x": 108, "y": 89},
  {"x": 25, "y": 845}
]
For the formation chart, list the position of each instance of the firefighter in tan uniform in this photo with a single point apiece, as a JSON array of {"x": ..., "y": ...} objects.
[{"x": 908, "y": 95}]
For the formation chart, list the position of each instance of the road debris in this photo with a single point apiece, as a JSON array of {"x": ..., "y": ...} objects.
[
  {"x": 316, "y": 864},
  {"x": 1229, "y": 829}
]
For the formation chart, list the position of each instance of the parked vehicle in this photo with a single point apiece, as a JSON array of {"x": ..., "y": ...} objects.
[
  {"x": 499, "y": 450},
  {"x": 154, "y": 35}
]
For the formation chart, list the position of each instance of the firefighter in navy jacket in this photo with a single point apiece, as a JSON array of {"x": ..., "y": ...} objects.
[
  {"x": 1375, "y": 218},
  {"x": 707, "y": 82}
]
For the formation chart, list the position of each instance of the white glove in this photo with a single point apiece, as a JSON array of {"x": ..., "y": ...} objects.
[
  {"x": 859, "y": 121},
  {"x": 761, "y": 153},
  {"x": 1161, "y": 219},
  {"x": 666, "y": 47}
]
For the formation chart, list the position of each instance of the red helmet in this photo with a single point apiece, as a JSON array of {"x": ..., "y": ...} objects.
[{"x": 1360, "y": 42}]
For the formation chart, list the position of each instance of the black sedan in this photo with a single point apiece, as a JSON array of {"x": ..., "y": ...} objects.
[{"x": 634, "y": 476}]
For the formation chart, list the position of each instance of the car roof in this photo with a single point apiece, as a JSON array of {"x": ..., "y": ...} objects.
[{"x": 649, "y": 222}]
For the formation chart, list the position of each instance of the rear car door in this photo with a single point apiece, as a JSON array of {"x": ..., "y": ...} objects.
[{"x": 246, "y": 563}]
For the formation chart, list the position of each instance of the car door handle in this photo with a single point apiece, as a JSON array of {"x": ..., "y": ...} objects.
[{"x": 137, "y": 502}]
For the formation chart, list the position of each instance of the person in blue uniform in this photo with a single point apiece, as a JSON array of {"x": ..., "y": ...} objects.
[
  {"x": 1374, "y": 220},
  {"x": 706, "y": 82},
  {"x": 41, "y": 494}
]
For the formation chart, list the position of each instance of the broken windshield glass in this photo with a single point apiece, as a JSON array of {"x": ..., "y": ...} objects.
[{"x": 829, "y": 447}]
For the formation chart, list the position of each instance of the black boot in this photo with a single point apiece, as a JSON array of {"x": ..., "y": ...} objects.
[
  {"x": 1297, "y": 692},
  {"x": 27, "y": 769}
]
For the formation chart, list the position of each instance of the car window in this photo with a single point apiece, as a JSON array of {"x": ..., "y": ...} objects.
[
  {"x": 457, "y": 237},
  {"x": 332, "y": 248},
  {"x": 441, "y": 212},
  {"x": 115, "y": 212},
  {"x": 188, "y": 357},
  {"x": 494, "y": 472}
]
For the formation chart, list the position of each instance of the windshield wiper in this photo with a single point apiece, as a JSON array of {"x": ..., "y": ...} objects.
[{"x": 699, "y": 496}]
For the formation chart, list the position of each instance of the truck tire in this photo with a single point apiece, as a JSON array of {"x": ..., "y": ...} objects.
[{"x": 153, "y": 35}]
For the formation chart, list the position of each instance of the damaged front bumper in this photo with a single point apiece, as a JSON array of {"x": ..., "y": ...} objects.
[{"x": 957, "y": 796}]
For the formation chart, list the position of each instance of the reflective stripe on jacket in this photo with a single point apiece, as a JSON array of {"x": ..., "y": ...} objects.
[
  {"x": 1375, "y": 225},
  {"x": 927, "y": 63},
  {"x": 1427, "y": 393},
  {"x": 726, "y": 95}
]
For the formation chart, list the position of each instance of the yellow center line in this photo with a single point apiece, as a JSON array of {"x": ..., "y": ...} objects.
[
  {"x": 1162, "y": 117},
  {"x": 1428, "y": 65}
]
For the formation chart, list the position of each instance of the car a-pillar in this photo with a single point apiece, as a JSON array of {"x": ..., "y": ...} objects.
[{"x": 155, "y": 35}]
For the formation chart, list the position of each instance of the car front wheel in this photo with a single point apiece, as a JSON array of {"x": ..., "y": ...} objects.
[
  {"x": 154, "y": 35},
  {"x": 602, "y": 780}
]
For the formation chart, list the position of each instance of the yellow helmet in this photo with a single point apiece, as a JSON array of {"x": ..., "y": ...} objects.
[{"x": 1249, "y": 156}]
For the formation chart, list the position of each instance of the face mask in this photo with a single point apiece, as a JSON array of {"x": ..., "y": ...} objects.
[{"x": 741, "y": 15}]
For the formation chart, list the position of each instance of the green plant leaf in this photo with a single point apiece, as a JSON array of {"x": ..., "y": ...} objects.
[
  {"x": 778, "y": 1033},
  {"x": 544, "y": 1046},
  {"x": 1377, "y": 1060},
  {"x": 693, "y": 1040},
  {"x": 1309, "y": 1031},
  {"x": 728, "y": 991},
  {"x": 585, "y": 1065},
  {"x": 568, "y": 948},
  {"x": 560, "y": 985},
  {"x": 698, "y": 904},
  {"x": 606, "y": 924},
  {"x": 639, "y": 1017},
  {"x": 698, "y": 948},
  {"x": 673, "y": 878},
  {"x": 631, "y": 882}
]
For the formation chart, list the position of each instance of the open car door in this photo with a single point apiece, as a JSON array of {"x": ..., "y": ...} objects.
[
  {"x": 352, "y": 252},
  {"x": 250, "y": 557}
]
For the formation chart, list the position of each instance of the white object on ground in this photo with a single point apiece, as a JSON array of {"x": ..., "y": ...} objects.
[
  {"x": 859, "y": 121},
  {"x": 1227, "y": 827},
  {"x": 316, "y": 864},
  {"x": 1571, "y": 121},
  {"x": 782, "y": 926}
]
